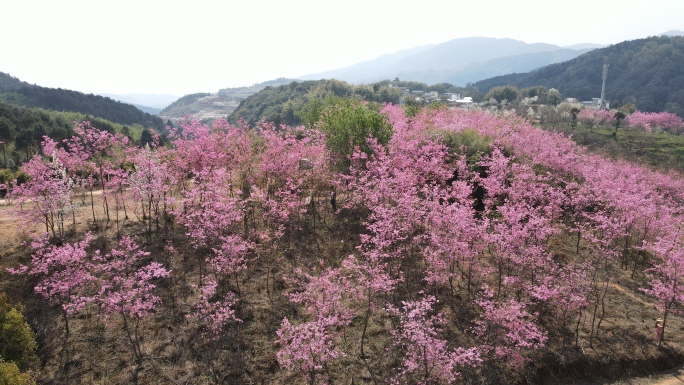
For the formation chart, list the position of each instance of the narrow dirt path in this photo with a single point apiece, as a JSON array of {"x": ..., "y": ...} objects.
[
  {"x": 630, "y": 295},
  {"x": 671, "y": 377}
]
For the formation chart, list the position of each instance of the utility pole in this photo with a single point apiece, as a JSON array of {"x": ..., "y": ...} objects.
[
  {"x": 3, "y": 154},
  {"x": 602, "y": 102}
]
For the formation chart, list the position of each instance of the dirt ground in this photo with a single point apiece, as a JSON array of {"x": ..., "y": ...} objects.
[{"x": 623, "y": 349}]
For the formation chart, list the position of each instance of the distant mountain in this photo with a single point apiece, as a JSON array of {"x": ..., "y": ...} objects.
[
  {"x": 149, "y": 110},
  {"x": 15, "y": 92},
  {"x": 511, "y": 64},
  {"x": 673, "y": 32},
  {"x": 148, "y": 100},
  {"x": 457, "y": 61},
  {"x": 647, "y": 72},
  {"x": 584, "y": 46},
  {"x": 384, "y": 67}
]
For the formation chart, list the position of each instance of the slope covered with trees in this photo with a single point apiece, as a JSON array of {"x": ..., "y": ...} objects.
[
  {"x": 646, "y": 72},
  {"x": 284, "y": 104},
  {"x": 8, "y": 82},
  {"x": 22, "y": 130},
  {"x": 22, "y": 94},
  {"x": 450, "y": 246}
]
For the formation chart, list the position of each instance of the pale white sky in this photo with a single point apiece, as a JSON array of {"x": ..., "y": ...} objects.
[{"x": 150, "y": 46}]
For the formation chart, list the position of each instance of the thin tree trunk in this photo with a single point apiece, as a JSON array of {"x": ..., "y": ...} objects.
[{"x": 92, "y": 204}]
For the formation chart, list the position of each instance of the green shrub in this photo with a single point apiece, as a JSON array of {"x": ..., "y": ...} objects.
[
  {"x": 348, "y": 123},
  {"x": 10, "y": 375},
  {"x": 474, "y": 144},
  {"x": 17, "y": 340}
]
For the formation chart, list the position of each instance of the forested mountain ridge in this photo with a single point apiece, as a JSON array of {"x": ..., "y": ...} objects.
[
  {"x": 8, "y": 82},
  {"x": 15, "y": 92},
  {"x": 647, "y": 72}
]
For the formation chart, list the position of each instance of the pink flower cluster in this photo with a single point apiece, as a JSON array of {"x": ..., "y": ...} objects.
[{"x": 656, "y": 121}]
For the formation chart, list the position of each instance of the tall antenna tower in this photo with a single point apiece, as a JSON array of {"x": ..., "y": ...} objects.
[{"x": 602, "y": 103}]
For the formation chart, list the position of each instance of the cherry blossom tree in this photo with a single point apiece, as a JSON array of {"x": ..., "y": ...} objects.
[
  {"x": 47, "y": 196},
  {"x": 665, "y": 276},
  {"x": 65, "y": 275},
  {"x": 427, "y": 358},
  {"x": 506, "y": 329},
  {"x": 215, "y": 312},
  {"x": 126, "y": 289},
  {"x": 307, "y": 347},
  {"x": 656, "y": 121},
  {"x": 151, "y": 184}
]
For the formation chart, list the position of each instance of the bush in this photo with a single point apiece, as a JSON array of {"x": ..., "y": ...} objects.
[
  {"x": 348, "y": 123},
  {"x": 7, "y": 178},
  {"x": 470, "y": 141},
  {"x": 501, "y": 93},
  {"x": 17, "y": 340},
  {"x": 10, "y": 375}
]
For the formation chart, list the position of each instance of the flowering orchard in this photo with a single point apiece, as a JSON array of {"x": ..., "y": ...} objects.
[
  {"x": 467, "y": 242},
  {"x": 656, "y": 121},
  {"x": 595, "y": 117}
]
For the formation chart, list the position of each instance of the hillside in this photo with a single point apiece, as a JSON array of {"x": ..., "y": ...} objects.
[
  {"x": 18, "y": 93},
  {"x": 647, "y": 72},
  {"x": 285, "y": 104},
  {"x": 191, "y": 104},
  {"x": 453, "y": 247},
  {"x": 202, "y": 105},
  {"x": 210, "y": 106},
  {"x": 457, "y": 61}
]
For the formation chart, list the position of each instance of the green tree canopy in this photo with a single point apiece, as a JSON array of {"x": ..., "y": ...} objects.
[
  {"x": 17, "y": 340},
  {"x": 11, "y": 375},
  {"x": 501, "y": 93},
  {"x": 554, "y": 97},
  {"x": 349, "y": 123}
]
